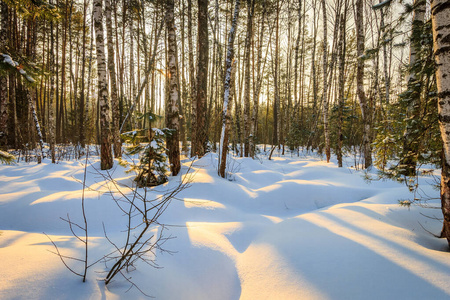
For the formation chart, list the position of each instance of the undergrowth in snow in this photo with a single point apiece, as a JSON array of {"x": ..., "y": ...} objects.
[{"x": 293, "y": 227}]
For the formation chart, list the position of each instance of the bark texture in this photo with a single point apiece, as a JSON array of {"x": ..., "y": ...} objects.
[
  {"x": 117, "y": 144},
  {"x": 363, "y": 102},
  {"x": 172, "y": 121},
  {"x": 325, "y": 83},
  {"x": 106, "y": 158},
  {"x": 223, "y": 146},
  {"x": 440, "y": 18},
  {"x": 3, "y": 78},
  {"x": 202, "y": 78}
]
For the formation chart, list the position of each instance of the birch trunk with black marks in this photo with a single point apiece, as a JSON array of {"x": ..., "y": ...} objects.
[
  {"x": 106, "y": 158},
  {"x": 117, "y": 144},
  {"x": 341, "y": 78},
  {"x": 363, "y": 102},
  {"x": 248, "y": 42},
  {"x": 325, "y": 83},
  {"x": 192, "y": 83},
  {"x": 440, "y": 18},
  {"x": 223, "y": 146},
  {"x": 172, "y": 121},
  {"x": 258, "y": 84}
]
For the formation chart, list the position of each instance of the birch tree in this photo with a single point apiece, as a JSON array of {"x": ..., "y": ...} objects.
[
  {"x": 117, "y": 144},
  {"x": 363, "y": 102},
  {"x": 248, "y": 42},
  {"x": 223, "y": 146},
  {"x": 106, "y": 159},
  {"x": 440, "y": 18},
  {"x": 172, "y": 121},
  {"x": 258, "y": 83},
  {"x": 325, "y": 83}
]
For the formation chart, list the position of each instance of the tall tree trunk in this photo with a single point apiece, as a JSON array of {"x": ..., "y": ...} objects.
[
  {"x": 192, "y": 83},
  {"x": 248, "y": 42},
  {"x": 363, "y": 102},
  {"x": 325, "y": 83},
  {"x": 106, "y": 158},
  {"x": 81, "y": 111},
  {"x": 117, "y": 144},
  {"x": 223, "y": 146},
  {"x": 172, "y": 121},
  {"x": 440, "y": 18},
  {"x": 3, "y": 78},
  {"x": 51, "y": 120},
  {"x": 341, "y": 78},
  {"x": 276, "y": 99},
  {"x": 202, "y": 77},
  {"x": 258, "y": 84}
]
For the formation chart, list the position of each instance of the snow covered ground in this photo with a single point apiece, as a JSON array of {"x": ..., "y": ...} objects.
[{"x": 290, "y": 228}]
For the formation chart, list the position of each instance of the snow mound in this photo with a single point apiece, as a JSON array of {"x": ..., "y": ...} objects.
[{"x": 289, "y": 228}]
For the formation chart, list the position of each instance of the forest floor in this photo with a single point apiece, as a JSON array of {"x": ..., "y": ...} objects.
[{"x": 290, "y": 228}]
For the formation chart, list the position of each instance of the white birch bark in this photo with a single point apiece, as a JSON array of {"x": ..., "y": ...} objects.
[
  {"x": 360, "y": 40},
  {"x": 223, "y": 146},
  {"x": 106, "y": 159},
  {"x": 325, "y": 83},
  {"x": 440, "y": 18},
  {"x": 172, "y": 122},
  {"x": 117, "y": 144}
]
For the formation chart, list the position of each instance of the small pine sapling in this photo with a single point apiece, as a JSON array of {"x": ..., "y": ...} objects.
[{"x": 153, "y": 166}]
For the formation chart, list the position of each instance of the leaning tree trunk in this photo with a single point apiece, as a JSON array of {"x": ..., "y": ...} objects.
[
  {"x": 360, "y": 40},
  {"x": 172, "y": 121},
  {"x": 106, "y": 159},
  {"x": 440, "y": 18},
  {"x": 117, "y": 144},
  {"x": 223, "y": 146}
]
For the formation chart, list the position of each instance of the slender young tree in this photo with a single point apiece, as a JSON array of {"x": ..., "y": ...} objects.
[
  {"x": 341, "y": 88},
  {"x": 223, "y": 146},
  {"x": 51, "y": 121},
  {"x": 117, "y": 144},
  {"x": 325, "y": 83},
  {"x": 106, "y": 158},
  {"x": 172, "y": 121},
  {"x": 258, "y": 83},
  {"x": 192, "y": 82},
  {"x": 440, "y": 18},
  {"x": 363, "y": 102},
  {"x": 248, "y": 42}
]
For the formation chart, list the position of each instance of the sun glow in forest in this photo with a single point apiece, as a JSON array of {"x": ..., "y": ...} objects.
[{"x": 224, "y": 149}]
